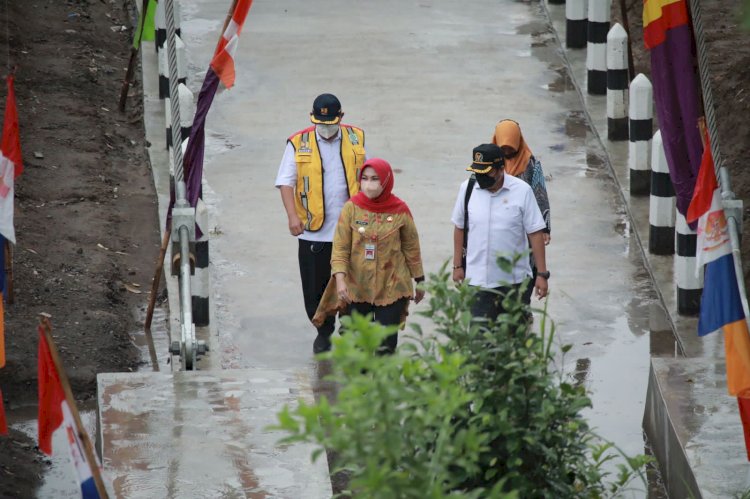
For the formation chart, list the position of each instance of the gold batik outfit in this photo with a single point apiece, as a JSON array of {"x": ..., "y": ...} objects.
[{"x": 379, "y": 253}]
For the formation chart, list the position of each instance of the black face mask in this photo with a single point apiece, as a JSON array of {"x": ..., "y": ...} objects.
[{"x": 485, "y": 181}]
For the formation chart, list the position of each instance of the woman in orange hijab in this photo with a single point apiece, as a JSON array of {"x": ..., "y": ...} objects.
[{"x": 520, "y": 162}]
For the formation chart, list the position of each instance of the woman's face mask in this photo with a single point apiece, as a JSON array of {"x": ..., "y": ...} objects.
[
  {"x": 327, "y": 131},
  {"x": 370, "y": 183}
]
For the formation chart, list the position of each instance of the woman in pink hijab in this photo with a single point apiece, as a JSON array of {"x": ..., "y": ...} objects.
[{"x": 376, "y": 258}]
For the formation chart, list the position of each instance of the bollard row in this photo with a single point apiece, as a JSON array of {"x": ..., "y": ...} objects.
[{"x": 630, "y": 117}]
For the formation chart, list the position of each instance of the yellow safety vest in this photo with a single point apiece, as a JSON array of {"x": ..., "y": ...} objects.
[{"x": 308, "y": 196}]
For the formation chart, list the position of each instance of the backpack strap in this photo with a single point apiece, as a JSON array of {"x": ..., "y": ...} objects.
[{"x": 467, "y": 196}]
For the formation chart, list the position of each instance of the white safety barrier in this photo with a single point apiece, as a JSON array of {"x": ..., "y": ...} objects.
[
  {"x": 689, "y": 287},
  {"x": 576, "y": 18},
  {"x": 661, "y": 213},
  {"x": 617, "y": 83},
  {"x": 641, "y": 117},
  {"x": 596, "y": 49}
]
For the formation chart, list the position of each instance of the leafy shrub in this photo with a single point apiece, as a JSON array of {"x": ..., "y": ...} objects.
[{"x": 473, "y": 412}]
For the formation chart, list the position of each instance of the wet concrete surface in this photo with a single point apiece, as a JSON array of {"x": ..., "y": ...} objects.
[
  {"x": 204, "y": 434},
  {"x": 427, "y": 81}
]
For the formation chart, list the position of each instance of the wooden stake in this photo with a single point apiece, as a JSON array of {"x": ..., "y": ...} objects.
[
  {"x": 626, "y": 25},
  {"x": 8, "y": 273},
  {"x": 131, "y": 63},
  {"x": 152, "y": 298},
  {"x": 88, "y": 448}
]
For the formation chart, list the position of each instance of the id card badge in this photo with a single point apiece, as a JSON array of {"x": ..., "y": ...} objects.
[{"x": 369, "y": 251}]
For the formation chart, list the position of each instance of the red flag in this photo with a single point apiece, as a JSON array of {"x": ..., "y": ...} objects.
[
  {"x": 51, "y": 396},
  {"x": 11, "y": 165},
  {"x": 705, "y": 185},
  {"x": 3, "y": 421},
  {"x": 223, "y": 61}
]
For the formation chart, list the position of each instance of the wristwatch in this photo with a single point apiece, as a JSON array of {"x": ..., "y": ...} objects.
[{"x": 543, "y": 274}]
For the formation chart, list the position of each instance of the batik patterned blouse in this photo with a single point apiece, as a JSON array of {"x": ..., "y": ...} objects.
[{"x": 380, "y": 255}]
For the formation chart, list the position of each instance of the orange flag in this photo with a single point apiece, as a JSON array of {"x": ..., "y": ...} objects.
[{"x": 223, "y": 60}]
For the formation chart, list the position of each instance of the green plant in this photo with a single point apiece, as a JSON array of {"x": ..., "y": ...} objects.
[{"x": 472, "y": 411}]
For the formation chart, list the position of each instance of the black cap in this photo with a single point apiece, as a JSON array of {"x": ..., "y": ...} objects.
[
  {"x": 485, "y": 157},
  {"x": 326, "y": 110}
]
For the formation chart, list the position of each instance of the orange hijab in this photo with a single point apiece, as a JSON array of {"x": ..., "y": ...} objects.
[{"x": 508, "y": 133}]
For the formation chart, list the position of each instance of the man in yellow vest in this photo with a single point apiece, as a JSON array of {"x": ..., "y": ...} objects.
[{"x": 317, "y": 175}]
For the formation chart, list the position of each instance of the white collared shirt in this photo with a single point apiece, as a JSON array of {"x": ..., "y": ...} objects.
[
  {"x": 499, "y": 223},
  {"x": 335, "y": 188}
]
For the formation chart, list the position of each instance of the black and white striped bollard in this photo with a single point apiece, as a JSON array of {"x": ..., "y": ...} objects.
[
  {"x": 187, "y": 112},
  {"x": 576, "y": 17},
  {"x": 617, "y": 83},
  {"x": 661, "y": 211},
  {"x": 596, "y": 49},
  {"x": 164, "y": 68},
  {"x": 199, "y": 282},
  {"x": 641, "y": 117},
  {"x": 689, "y": 286},
  {"x": 160, "y": 23}
]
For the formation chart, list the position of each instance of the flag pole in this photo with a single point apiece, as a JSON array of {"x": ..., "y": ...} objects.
[
  {"x": 131, "y": 63},
  {"x": 226, "y": 21},
  {"x": 152, "y": 297},
  {"x": 88, "y": 448},
  {"x": 8, "y": 273}
]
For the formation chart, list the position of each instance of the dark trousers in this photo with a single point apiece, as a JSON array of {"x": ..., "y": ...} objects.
[
  {"x": 387, "y": 315},
  {"x": 315, "y": 272},
  {"x": 489, "y": 304}
]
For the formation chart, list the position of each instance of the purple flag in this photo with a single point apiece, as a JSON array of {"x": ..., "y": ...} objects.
[
  {"x": 677, "y": 106},
  {"x": 192, "y": 161}
]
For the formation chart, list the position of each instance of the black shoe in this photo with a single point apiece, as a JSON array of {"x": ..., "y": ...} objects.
[{"x": 322, "y": 343}]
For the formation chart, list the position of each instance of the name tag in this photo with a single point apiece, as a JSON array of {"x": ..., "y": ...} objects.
[{"x": 369, "y": 251}]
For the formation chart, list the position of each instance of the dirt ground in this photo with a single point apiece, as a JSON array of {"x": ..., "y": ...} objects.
[
  {"x": 86, "y": 214},
  {"x": 729, "y": 66}
]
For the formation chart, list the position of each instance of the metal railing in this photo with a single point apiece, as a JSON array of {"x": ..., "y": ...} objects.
[{"x": 732, "y": 206}]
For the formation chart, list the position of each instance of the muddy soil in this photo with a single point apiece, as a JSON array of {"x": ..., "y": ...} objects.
[{"x": 86, "y": 213}]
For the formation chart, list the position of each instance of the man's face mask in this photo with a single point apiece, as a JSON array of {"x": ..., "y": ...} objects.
[
  {"x": 485, "y": 180},
  {"x": 327, "y": 131}
]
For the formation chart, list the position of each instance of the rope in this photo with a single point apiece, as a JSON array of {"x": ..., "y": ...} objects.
[{"x": 174, "y": 97}]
